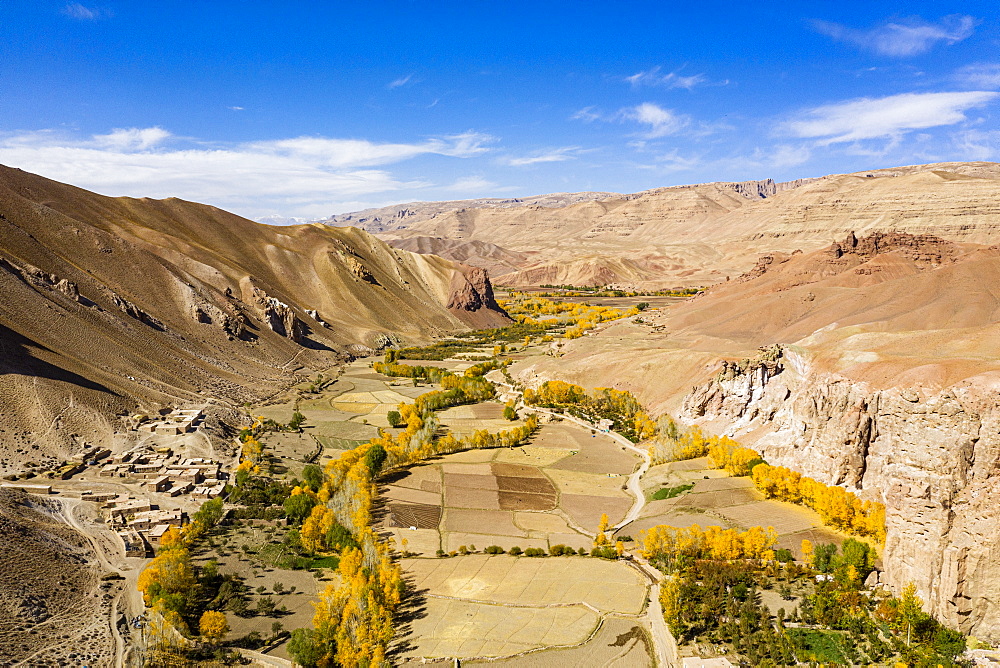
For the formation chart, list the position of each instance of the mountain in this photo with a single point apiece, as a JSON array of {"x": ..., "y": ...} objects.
[
  {"x": 887, "y": 384},
  {"x": 401, "y": 216},
  {"x": 701, "y": 234},
  {"x": 116, "y": 304}
]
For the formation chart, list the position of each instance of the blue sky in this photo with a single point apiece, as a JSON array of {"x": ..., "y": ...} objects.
[{"x": 287, "y": 108}]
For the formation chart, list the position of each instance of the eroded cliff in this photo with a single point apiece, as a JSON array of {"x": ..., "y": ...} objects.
[{"x": 932, "y": 456}]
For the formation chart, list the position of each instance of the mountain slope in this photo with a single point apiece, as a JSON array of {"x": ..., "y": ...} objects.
[
  {"x": 111, "y": 303},
  {"x": 701, "y": 234}
]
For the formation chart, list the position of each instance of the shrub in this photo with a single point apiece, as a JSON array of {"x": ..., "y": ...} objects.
[
  {"x": 441, "y": 553},
  {"x": 784, "y": 556},
  {"x": 516, "y": 551},
  {"x": 394, "y": 418},
  {"x": 560, "y": 550},
  {"x": 534, "y": 552},
  {"x": 494, "y": 549}
]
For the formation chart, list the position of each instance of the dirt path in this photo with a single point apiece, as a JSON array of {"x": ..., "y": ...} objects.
[
  {"x": 664, "y": 643},
  {"x": 110, "y": 560},
  {"x": 634, "y": 484}
]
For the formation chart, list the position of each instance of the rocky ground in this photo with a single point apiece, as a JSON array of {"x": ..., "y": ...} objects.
[{"x": 55, "y": 608}]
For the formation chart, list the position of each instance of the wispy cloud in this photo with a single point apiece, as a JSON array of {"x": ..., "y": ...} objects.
[
  {"x": 587, "y": 115},
  {"x": 869, "y": 118},
  {"x": 300, "y": 175},
  {"x": 980, "y": 75},
  {"x": 551, "y": 155},
  {"x": 401, "y": 81},
  {"x": 660, "y": 122},
  {"x": 654, "y": 77},
  {"x": 235, "y": 108},
  {"x": 979, "y": 144},
  {"x": 909, "y": 38},
  {"x": 472, "y": 184},
  {"x": 75, "y": 10}
]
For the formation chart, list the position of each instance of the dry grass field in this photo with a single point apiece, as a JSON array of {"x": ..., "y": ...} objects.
[
  {"x": 497, "y": 606},
  {"x": 618, "y": 643}
]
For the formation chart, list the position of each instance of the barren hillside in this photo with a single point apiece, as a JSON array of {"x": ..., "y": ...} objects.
[
  {"x": 110, "y": 303},
  {"x": 700, "y": 234}
]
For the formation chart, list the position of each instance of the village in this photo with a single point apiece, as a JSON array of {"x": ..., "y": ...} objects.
[{"x": 143, "y": 491}]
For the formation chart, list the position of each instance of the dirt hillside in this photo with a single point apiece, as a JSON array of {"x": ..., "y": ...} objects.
[
  {"x": 114, "y": 304},
  {"x": 700, "y": 234}
]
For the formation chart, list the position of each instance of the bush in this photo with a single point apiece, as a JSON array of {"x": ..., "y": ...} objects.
[
  {"x": 534, "y": 552},
  {"x": 560, "y": 550},
  {"x": 394, "y": 418},
  {"x": 516, "y": 551},
  {"x": 441, "y": 553},
  {"x": 784, "y": 556},
  {"x": 494, "y": 549}
]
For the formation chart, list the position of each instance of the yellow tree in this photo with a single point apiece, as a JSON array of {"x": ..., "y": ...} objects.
[
  {"x": 213, "y": 625},
  {"x": 807, "y": 551},
  {"x": 670, "y": 602}
]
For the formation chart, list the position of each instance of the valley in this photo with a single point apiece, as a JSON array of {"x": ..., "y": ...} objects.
[{"x": 517, "y": 476}]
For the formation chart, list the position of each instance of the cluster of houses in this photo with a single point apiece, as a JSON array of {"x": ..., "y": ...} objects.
[
  {"x": 163, "y": 471},
  {"x": 139, "y": 523},
  {"x": 176, "y": 423}
]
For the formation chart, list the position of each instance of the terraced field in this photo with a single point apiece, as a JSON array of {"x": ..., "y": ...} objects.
[{"x": 551, "y": 491}]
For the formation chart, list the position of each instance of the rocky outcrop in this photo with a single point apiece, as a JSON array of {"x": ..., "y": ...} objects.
[
  {"x": 933, "y": 458},
  {"x": 279, "y": 317},
  {"x": 924, "y": 249},
  {"x": 38, "y": 278}
]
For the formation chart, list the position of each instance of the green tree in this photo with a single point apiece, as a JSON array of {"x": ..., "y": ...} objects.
[
  {"x": 305, "y": 648},
  {"x": 394, "y": 418},
  {"x": 298, "y": 506},
  {"x": 313, "y": 476},
  {"x": 374, "y": 459}
]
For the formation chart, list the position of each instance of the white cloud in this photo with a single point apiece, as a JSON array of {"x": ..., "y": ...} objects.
[
  {"x": 77, "y": 11},
  {"x": 297, "y": 176},
  {"x": 402, "y": 81},
  {"x": 472, "y": 184},
  {"x": 553, "y": 155},
  {"x": 979, "y": 144},
  {"x": 653, "y": 77},
  {"x": 587, "y": 115},
  {"x": 900, "y": 40},
  {"x": 980, "y": 75},
  {"x": 236, "y": 108},
  {"x": 132, "y": 139},
  {"x": 661, "y": 122},
  {"x": 869, "y": 118}
]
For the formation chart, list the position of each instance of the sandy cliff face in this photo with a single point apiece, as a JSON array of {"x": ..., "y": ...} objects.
[{"x": 932, "y": 456}]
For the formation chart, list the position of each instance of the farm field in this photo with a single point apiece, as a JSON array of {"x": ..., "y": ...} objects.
[
  {"x": 551, "y": 491},
  {"x": 498, "y": 606},
  {"x": 716, "y": 499}
]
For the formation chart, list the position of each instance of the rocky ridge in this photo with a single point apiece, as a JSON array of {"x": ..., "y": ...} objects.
[
  {"x": 701, "y": 234},
  {"x": 116, "y": 304},
  {"x": 931, "y": 456}
]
